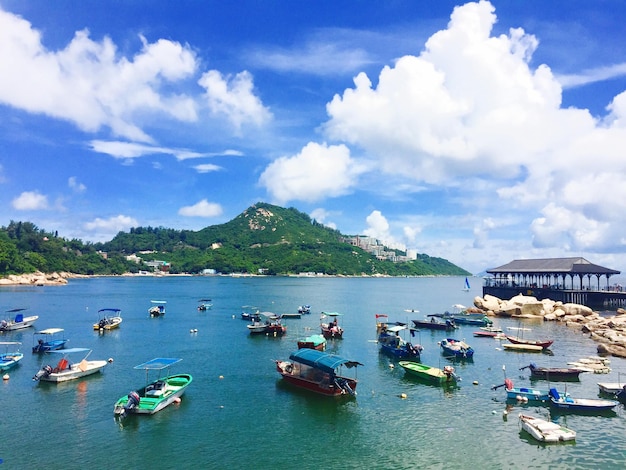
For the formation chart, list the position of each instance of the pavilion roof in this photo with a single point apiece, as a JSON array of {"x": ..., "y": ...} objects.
[{"x": 578, "y": 266}]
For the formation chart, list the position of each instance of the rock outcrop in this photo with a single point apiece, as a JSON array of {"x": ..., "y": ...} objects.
[
  {"x": 609, "y": 332},
  {"x": 35, "y": 279}
]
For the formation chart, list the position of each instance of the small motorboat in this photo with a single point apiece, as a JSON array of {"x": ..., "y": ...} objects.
[
  {"x": 156, "y": 394},
  {"x": 304, "y": 309},
  {"x": 313, "y": 342},
  {"x": 318, "y": 372},
  {"x": 524, "y": 394},
  {"x": 392, "y": 344},
  {"x": 456, "y": 348},
  {"x": 46, "y": 340},
  {"x": 110, "y": 319},
  {"x": 542, "y": 343},
  {"x": 581, "y": 405},
  {"x": 19, "y": 321},
  {"x": 65, "y": 370},
  {"x": 435, "y": 324},
  {"x": 158, "y": 308},
  {"x": 204, "y": 305},
  {"x": 11, "y": 356},
  {"x": 553, "y": 373},
  {"x": 545, "y": 431},
  {"x": 331, "y": 330},
  {"x": 429, "y": 374}
]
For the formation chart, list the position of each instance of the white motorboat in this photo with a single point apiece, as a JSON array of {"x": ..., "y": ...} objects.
[
  {"x": 19, "y": 321},
  {"x": 65, "y": 370},
  {"x": 546, "y": 431}
]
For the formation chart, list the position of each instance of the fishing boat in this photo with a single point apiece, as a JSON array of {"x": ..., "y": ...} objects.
[
  {"x": 461, "y": 316},
  {"x": 429, "y": 374},
  {"x": 542, "y": 343},
  {"x": 269, "y": 323},
  {"x": 291, "y": 315},
  {"x": 46, "y": 341},
  {"x": 553, "y": 373},
  {"x": 391, "y": 343},
  {"x": 19, "y": 321},
  {"x": 9, "y": 359},
  {"x": 546, "y": 431},
  {"x": 158, "y": 308},
  {"x": 318, "y": 372},
  {"x": 157, "y": 393},
  {"x": 523, "y": 394},
  {"x": 304, "y": 309},
  {"x": 204, "y": 305},
  {"x": 435, "y": 324},
  {"x": 313, "y": 342},
  {"x": 523, "y": 347},
  {"x": 250, "y": 313},
  {"x": 331, "y": 330},
  {"x": 489, "y": 331},
  {"x": 456, "y": 348},
  {"x": 582, "y": 405},
  {"x": 110, "y": 319},
  {"x": 65, "y": 370}
]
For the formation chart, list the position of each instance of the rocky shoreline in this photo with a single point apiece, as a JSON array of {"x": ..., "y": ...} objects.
[
  {"x": 36, "y": 279},
  {"x": 609, "y": 332}
]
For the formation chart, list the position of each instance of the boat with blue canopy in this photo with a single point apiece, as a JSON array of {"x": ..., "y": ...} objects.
[
  {"x": 46, "y": 340},
  {"x": 110, "y": 318},
  {"x": 157, "y": 393},
  {"x": 319, "y": 372},
  {"x": 158, "y": 308}
]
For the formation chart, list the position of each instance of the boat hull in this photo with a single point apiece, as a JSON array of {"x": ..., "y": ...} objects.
[
  {"x": 546, "y": 431},
  {"x": 50, "y": 346},
  {"x": 13, "y": 325},
  {"x": 434, "y": 325},
  {"x": 108, "y": 324},
  {"x": 315, "y": 380},
  {"x": 554, "y": 374},
  {"x": 544, "y": 344},
  {"x": 429, "y": 374},
  {"x": 152, "y": 400},
  {"x": 522, "y": 347},
  {"x": 455, "y": 348},
  {"x": 10, "y": 360},
  {"x": 76, "y": 371}
]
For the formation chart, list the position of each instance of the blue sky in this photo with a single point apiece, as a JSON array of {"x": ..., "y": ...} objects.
[{"x": 478, "y": 132}]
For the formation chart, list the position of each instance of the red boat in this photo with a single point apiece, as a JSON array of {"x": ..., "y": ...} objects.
[
  {"x": 331, "y": 330},
  {"x": 544, "y": 343},
  {"x": 318, "y": 372}
]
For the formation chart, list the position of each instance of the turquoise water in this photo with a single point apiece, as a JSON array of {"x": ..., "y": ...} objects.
[{"x": 239, "y": 414}]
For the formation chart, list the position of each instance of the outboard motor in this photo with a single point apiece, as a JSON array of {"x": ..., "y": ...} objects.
[
  {"x": 133, "y": 402},
  {"x": 45, "y": 371}
]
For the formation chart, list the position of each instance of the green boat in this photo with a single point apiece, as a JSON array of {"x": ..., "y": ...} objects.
[
  {"x": 157, "y": 394},
  {"x": 429, "y": 374}
]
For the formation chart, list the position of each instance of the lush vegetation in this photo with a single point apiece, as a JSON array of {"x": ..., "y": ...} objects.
[{"x": 263, "y": 239}]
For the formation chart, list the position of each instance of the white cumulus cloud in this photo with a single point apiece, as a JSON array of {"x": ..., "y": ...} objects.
[
  {"x": 202, "y": 208},
  {"x": 105, "y": 229},
  {"x": 30, "y": 201}
]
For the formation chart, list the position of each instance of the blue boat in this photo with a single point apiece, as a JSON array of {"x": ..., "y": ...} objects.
[
  {"x": 456, "y": 348},
  {"x": 580, "y": 405},
  {"x": 9, "y": 359},
  {"x": 46, "y": 343},
  {"x": 392, "y": 344}
]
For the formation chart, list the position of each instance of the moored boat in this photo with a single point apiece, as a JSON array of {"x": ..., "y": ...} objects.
[
  {"x": 204, "y": 305},
  {"x": 10, "y": 358},
  {"x": 304, "y": 309},
  {"x": 523, "y": 394},
  {"x": 318, "y": 372},
  {"x": 553, "y": 373},
  {"x": 543, "y": 343},
  {"x": 110, "y": 319},
  {"x": 156, "y": 394},
  {"x": 46, "y": 340},
  {"x": 545, "y": 431},
  {"x": 429, "y": 374},
  {"x": 158, "y": 308},
  {"x": 19, "y": 321},
  {"x": 434, "y": 324},
  {"x": 522, "y": 347},
  {"x": 456, "y": 348},
  {"x": 65, "y": 370},
  {"x": 581, "y": 405},
  {"x": 392, "y": 344},
  {"x": 331, "y": 330},
  {"x": 313, "y": 342}
]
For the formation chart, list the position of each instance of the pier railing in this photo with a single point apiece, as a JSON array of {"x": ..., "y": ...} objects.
[{"x": 595, "y": 299}]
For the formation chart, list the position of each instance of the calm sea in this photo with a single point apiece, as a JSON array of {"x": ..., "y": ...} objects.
[{"x": 238, "y": 414}]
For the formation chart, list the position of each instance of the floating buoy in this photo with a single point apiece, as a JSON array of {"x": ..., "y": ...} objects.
[
  {"x": 5, "y": 377},
  {"x": 110, "y": 360},
  {"x": 475, "y": 382},
  {"x": 195, "y": 330},
  {"x": 191, "y": 331},
  {"x": 177, "y": 400},
  {"x": 391, "y": 366},
  {"x": 525, "y": 399},
  {"x": 221, "y": 376},
  {"x": 403, "y": 395},
  {"x": 505, "y": 412}
]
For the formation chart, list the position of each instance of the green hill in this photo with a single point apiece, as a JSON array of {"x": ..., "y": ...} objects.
[{"x": 264, "y": 239}]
